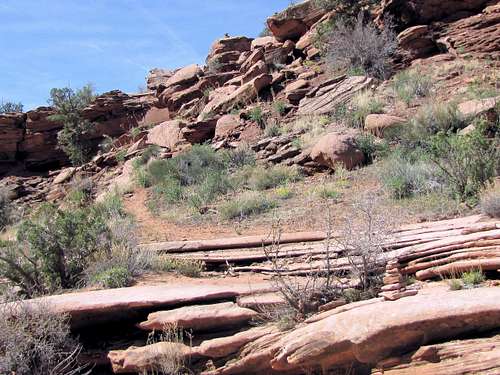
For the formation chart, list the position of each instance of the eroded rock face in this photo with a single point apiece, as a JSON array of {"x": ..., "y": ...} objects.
[
  {"x": 11, "y": 133},
  {"x": 371, "y": 333},
  {"x": 338, "y": 148},
  {"x": 420, "y": 12},
  {"x": 326, "y": 97}
]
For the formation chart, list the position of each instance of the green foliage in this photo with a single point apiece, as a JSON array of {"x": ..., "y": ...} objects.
[
  {"x": 437, "y": 117},
  {"x": 279, "y": 107},
  {"x": 121, "y": 156},
  {"x": 405, "y": 176},
  {"x": 7, "y": 107},
  {"x": 370, "y": 147},
  {"x": 257, "y": 115},
  {"x": 473, "y": 278},
  {"x": 283, "y": 192},
  {"x": 73, "y": 138},
  {"x": 196, "y": 177},
  {"x": 467, "y": 162},
  {"x": 263, "y": 179},
  {"x": 249, "y": 204},
  {"x": 455, "y": 284},
  {"x": 6, "y": 210},
  {"x": 55, "y": 246},
  {"x": 240, "y": 157},
  {"x": 273, "y": 130},
  {"x": 115, "y": 277},
  {"x": 411, "y": 84},
  {"x": 184, "y": 267},
  {"x": 328, "y": 192}
]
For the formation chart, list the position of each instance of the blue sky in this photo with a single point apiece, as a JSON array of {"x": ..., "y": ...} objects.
[{"x": 111, "y": 43}]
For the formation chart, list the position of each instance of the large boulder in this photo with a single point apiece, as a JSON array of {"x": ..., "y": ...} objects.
[
  {"x": 225, "y": 53},
  {"x": 486, "y": 108},
  {"x": 167, "y": 134},
  {"x": 294, "y": 21},
  {"x": 226, "y": 125},
  {"x": 338, "y": 148}
]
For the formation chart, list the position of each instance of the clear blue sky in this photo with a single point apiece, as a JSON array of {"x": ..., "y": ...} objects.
[{"x": 111, "y": 43}]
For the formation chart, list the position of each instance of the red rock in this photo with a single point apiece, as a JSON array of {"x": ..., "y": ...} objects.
[
  {"x": 200, "y": 318},
  {"x": 11, "y": 133},
  {"x": 416, "y": 42},
  {"x": 199, "y": 131},
  {"x": 149, "y": 358},
  {"x": 266, "y": 42},
  {"x": 185, "y": 76},
  {"x": 338, "y": 148},
  {"x": 226, "y": 125},
  {"x": 155, "y": 116},
  {"x": 256, "y": 70},
  {"x": 167, "y": 134},
  {"x": 39, "y": 120},
  {"x": 158, "y": 77},
  {"x": 256, "y": 56}
]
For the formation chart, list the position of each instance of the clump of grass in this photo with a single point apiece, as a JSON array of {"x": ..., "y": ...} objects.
[
  {"x": 185, "y": 267},
  {"x": 115, "y": 277},
  {"x": 279, "y": 107},
  {"x": 411, "y": 84},
  {"x": 283, "y": 192},
  {"x": 273, "y": 129},
  {"x": 405, "y": 177},
  {"x": 256, "y": 114},
  {"x": 249, "y": 204},
  {"x": 363, "y": 104},
  {"x": 455, "y": 284},
  {"x": 263, "y": 179},
  {"x": 490, "y": 201},
  {"x": 328, "y": 191},
  {"x": 473, "y": 278},
  {"x": 438, "y": 117}
]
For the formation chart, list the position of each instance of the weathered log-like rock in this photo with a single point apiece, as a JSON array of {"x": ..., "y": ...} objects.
[
  {"x": 200, "y": 318},
  {"x": 162, "y": 356},
  {"x": 378, "y": 123}
]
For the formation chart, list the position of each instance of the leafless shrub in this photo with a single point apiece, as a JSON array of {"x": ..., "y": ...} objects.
[
  {"x": 172, "y": 359},
  {"x": 361, "y": 46},
  {"x": 361, "y": 238},
  {"x": 36, "y": 341},
  {"x": 6, "y": 209}
]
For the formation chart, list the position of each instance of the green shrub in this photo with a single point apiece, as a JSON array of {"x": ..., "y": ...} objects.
[
  {"x": 240, "y": 157},
  {"x": 121, "y": 156},
  {"x": 279, "y": 107},
  {"x": 438, "y": 117},
  {"x": 467, "y": 162},
  {"x": 6, "y": 107},
  {"x": 55, "y": 246},
  {"x": 263, "y": 179},
  {"x": 369, "y": 146},
  {"x": 405, "y": 178},
  {"x": 115, "y": 277},
  {"x": 283, "y": 192},
  {"x": 273, "y": 130},
  {"x": 411, "y": 84},
  {"x": 6, "y": 209},
  {"x": 246, "y": 205},
  {"x": 257, "y": 115},
  {"x": 490, "y": 202},
  {"x": 328, "y": 192},
  {"x": 473, "y": 278},
  {"x": 184, "y": 267},
  {"x": 73, "y": 138}
]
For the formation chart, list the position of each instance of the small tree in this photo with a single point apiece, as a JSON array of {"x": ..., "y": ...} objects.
[
  {"x": 73, "y": 137},
  {"x": 6, "y": 107},
  {"x": 361, "y": 46}
]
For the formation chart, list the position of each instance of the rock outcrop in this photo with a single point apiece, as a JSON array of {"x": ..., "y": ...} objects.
[{"x": 338, "y": 148}]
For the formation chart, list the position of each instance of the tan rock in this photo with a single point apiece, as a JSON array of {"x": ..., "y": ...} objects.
[
  {"x": 64, "y": 175},
  {"x": 167, "y": 134},
  {"x": 377, "y": 123},
  {"x": 256, "y": 70},
  {"x": 338, "y": 148},
  {"x": 480, "y": 107},
  {"x": 226, "y": 125},
  {"x": 184, "y": 76},
  {"x": 200, "y": 318}
]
